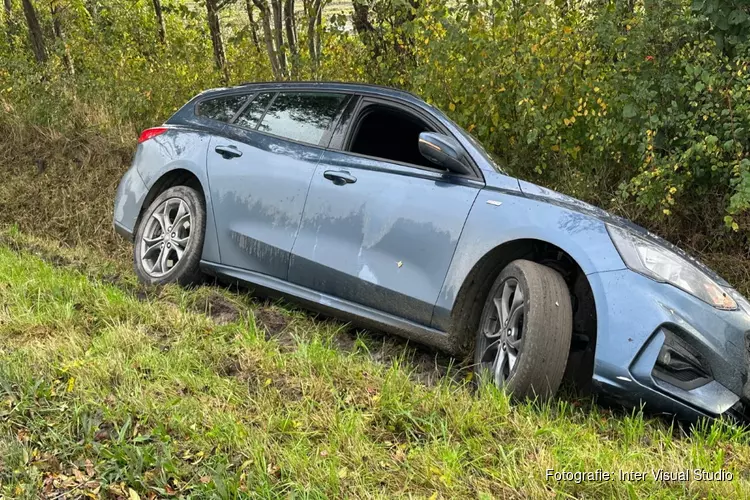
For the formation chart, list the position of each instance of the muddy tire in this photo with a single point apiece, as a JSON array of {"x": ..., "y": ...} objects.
[
  {"x": 169, "y": 238},
  {"x": 524, "y": 333}
]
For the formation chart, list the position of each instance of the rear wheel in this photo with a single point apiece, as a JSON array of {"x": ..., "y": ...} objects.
[
  {"x": 169, "y": 239},
  {"x": 525, "y": 330}
]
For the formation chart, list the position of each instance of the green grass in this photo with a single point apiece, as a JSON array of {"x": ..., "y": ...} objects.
[{"x": 106, "y": 387}]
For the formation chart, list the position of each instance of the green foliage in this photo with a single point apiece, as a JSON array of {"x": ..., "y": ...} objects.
[
  {"x": 642, "y": 107},
  {"x": 730, "y": 20}
]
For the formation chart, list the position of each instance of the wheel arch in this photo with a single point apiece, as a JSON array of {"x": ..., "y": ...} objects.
[
  {"x": 471, "y": 296},
  {"x": 171, "y": 178}
]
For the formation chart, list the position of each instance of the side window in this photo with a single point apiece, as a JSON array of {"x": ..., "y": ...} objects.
[
  {"x": 252, "y": 114},
  {"x": 221, "y": 108},
  {"x": 391, "y": 134},
  {"x": 303, "y": 116}
]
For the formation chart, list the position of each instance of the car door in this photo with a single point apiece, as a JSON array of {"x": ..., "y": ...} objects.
[
  {"x": 259, "y": 169},
  {"x": 379, "y": 231}
]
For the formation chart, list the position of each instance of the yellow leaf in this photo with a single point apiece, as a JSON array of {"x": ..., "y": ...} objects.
[
  {"x": 133, "y": 495},
  {"x": 452, "y": 107},
  {"x": 71, "y": 384},
  {"x": 555, "y": 147}
]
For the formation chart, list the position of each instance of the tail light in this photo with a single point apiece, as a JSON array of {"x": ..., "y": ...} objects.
[{"x": 150, "y": 133}]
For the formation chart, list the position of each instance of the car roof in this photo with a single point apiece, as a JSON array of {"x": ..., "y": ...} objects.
[{"x": 359, "y": 88}]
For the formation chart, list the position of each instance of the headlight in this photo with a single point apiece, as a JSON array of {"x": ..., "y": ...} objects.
[{"x": 661, "y": 264}]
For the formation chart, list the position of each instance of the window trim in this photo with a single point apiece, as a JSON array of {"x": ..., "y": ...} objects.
[
  {"x": 324, "y": 140},
  {"x": 370, "y": 100}
]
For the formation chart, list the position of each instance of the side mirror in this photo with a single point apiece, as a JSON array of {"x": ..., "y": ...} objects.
[{"x": 444, "y": 151}]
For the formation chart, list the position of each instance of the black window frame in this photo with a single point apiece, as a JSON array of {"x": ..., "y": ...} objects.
[
  {"x": 367, "y": 100},
  {"x": 325, "y": 138}
]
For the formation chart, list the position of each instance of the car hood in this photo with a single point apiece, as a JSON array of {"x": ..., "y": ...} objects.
[{"x": 534, "y": 191}]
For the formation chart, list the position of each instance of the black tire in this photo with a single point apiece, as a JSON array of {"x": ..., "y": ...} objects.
[
  {"x": 186, "y": 270},
  {"x": 545, "y": 328}
]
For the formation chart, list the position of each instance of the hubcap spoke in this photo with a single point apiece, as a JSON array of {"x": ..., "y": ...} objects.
[
  {"x": 503, "y": 329},
  {"x": 162, "y": 223},
  {"x": 163, "y": 261},
  {"x": 149, "y": 245},
  {"x": 501, "y": 314},
  {"x": 181, "y": 242},
  {"x": 490, "y": 352},
  {"x": 499, "y": 369},
  {"x": 511, "y": 360},
  {"x": 517, "y": 304}
]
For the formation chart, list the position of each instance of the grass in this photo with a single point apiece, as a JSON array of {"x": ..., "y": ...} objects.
[{"x": 111, "y": 390}]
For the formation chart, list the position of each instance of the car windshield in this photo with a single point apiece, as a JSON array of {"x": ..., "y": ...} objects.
[{"x": 491, "y": 158}]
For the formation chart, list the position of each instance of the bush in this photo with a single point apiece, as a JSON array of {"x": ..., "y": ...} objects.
[{"x": 642, "y": 108}]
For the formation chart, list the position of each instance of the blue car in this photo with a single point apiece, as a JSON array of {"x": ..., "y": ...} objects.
[{"x": 369, "y": 204}]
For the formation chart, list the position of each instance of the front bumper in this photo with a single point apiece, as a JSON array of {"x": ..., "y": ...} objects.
[
  {"x": 636, "y": 315},
  {"x": 131, "y": 193}
]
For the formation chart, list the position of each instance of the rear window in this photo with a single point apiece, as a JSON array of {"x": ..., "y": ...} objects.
[
  {"x": 252, "y": 114},
  {"x": 221, "y": 108},
  {"x": 303, "y": 116}
]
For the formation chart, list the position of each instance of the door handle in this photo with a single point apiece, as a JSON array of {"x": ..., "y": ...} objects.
[
  {"x": 228, "y": 152},
  {"x": 339, "y": 177}
]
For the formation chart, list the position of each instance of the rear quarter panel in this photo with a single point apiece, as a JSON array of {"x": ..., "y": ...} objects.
[{"x": 185, "y": 149}]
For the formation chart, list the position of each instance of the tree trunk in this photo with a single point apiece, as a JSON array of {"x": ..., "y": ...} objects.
[
  {"x": 215, "y": 30},
  {"x": 318, "y": 28},
  {"x": 364, "y": 28},
  {"x": 361, "y": 18},
  {"x": 279, "y": 35},
  {"x": 291, "y": 37},
  {"x": 35, "y": 31},
  {"x": 265, "y": 18},
  {"x": 161, "y": 29},
  {"x": 60, "y": 35},
  {"x": 253, "y": 24}
]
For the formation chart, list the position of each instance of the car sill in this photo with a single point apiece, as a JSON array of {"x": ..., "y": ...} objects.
[{"x": 356, "y": 313}]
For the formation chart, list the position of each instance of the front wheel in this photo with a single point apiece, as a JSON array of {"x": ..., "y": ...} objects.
[
  {"x": 525, "y": 329},
  {"x": 169, "y": 239}
]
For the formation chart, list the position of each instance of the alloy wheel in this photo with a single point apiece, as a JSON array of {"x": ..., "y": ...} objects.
[
  {"x": 166, "y": 237},
  {"x": 502, "y": 330}
]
